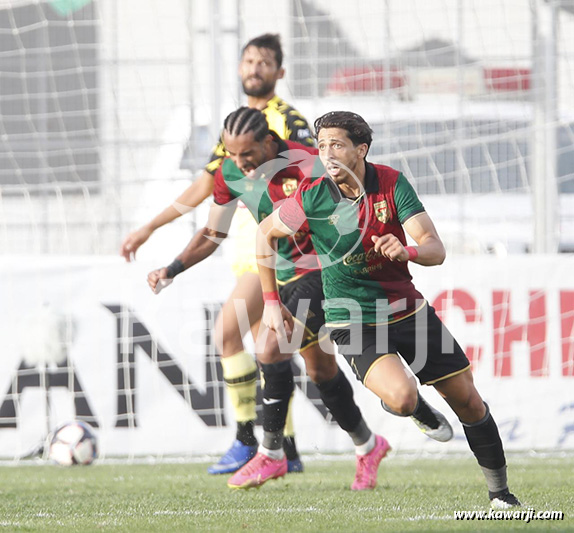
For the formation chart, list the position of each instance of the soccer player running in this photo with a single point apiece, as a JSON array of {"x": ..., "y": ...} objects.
[
  {"x": 356, "y": 214},
  {"x": 260, "y": 68},
  {"x": 263, "y": 170}
]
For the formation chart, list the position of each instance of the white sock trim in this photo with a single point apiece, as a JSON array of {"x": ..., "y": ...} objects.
[
  {"x": 364, "y": 449},
  {"x": 277, "y": 455}
]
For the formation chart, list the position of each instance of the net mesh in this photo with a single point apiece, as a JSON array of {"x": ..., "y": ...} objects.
[{"x": 109, "y": 109}]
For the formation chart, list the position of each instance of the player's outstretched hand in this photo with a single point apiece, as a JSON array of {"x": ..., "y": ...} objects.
[
  {"x": 390, "y": 247},
  {"x": 278, "y": 318},
  {"x": 132, "y": 242},
  {"x": 158, "y": 280}
]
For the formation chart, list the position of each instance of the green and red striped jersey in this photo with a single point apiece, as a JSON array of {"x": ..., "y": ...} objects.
[
  {"x": 360, "y": 285},
  {"x": 275, "y": 181}
]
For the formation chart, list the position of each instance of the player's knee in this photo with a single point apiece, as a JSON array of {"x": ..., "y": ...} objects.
[
  {"x": 321, "y": 374},
  {"x": 321, "y": 368},
  {"x": 474, "y": 408},
  {"x": 403, "y": 403}
]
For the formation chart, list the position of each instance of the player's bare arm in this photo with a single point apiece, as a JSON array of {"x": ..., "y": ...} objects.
[
  {"x": 275, "y": 315},
  {"x": 429, "y": 250},
  {"x": 194, "y": 195},
  {"x": 201, "y": 246}
]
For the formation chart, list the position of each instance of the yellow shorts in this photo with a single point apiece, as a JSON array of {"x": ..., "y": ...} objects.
[{"x": 244, "y": 253}]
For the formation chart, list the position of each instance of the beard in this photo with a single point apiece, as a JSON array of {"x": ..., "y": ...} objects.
[{"x": 260, "y": 90}]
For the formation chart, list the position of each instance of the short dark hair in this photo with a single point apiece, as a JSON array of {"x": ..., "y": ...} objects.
[
  {"x": 356, "y": 127},
  {"x": 271, "y": 41},
  {"x": 245, "y": 120}
]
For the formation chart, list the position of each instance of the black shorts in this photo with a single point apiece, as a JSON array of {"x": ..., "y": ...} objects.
[
  {"x": 307, "y": 288},
  {"x": 436, "y": 356}
]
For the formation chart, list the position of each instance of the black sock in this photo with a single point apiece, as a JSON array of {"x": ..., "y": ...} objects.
[
  {"x": 498, "y": 494},
  {"x": 245, "y": 433},
  {"x": 276, "y": 395},
  {"x": 424, "y": 414},
  {"x": 361, "y": 434},
  {"x": 290, "y": 448},
  {"x": 337, "y": 395},
  {"x": 484, "y": 441},
  {"x": 272, "y": 440}
]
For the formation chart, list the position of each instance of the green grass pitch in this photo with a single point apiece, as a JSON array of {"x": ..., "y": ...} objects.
[{"x": 414, "y": 494}]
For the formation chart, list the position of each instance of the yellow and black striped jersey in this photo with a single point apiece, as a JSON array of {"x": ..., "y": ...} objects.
[{"x": 283, "y": 119}]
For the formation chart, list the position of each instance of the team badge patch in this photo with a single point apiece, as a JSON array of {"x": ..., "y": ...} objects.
[
  {"x": 333, "y": 219},
  {"x": 289, "y": 186},
  {"x": 382, "y": 211}
]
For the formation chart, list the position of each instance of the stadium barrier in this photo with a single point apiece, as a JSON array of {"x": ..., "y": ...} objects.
[{"x": 85, "y": 338}]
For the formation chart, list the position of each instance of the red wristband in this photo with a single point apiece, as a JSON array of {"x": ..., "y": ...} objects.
[
  {"x": 413, "y": 252},
  {"x": 271, "y": 297}
]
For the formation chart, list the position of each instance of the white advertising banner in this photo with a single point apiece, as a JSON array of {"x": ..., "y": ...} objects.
[{"x": 86, "y": 338}]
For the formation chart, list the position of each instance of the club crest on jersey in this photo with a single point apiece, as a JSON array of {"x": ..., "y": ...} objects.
[
  {"x": 333, "y": 219},
  {"x": 382, "y": 211},
  {"x": 289, "y": 186}
]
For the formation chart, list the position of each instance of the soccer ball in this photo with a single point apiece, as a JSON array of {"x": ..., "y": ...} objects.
[{"x": 73, "y": 443}]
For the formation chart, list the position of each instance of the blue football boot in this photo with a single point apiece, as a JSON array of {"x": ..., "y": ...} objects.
[
  {"x": 234, "y": 458},
  {"x": 294, "y": 466}
]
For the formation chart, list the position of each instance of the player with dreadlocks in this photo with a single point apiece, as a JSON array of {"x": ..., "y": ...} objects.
[
  {"x": 262, "y": 170},
  {"x": 260, "y": 68}
]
